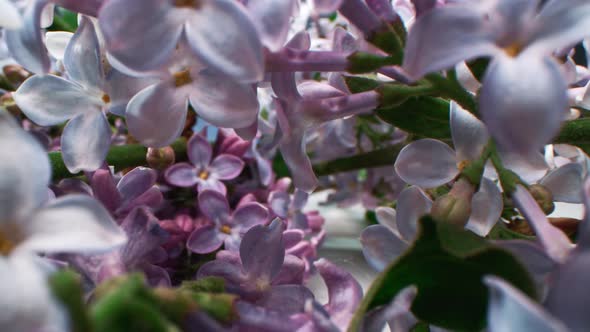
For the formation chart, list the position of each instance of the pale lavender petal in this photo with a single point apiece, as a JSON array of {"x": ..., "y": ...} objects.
[
  {"x": 226, "y": 167},
  {"x": 273, "y": 19},
  {"x": 291, "y": 272},
  {"x": 381, "y": 247},
  {"x": 121, "y": 88},
  {"x": 10, "y": 18},
  {"x": 530, "y": 167},
  {"x": 82, "y": 58},
  {"x": 26, "y": 44},
  {"x": 236, "y": 49},
  {"x": 57, "y": 42},
  {"x": 531, "y": 255},
  {"x": 105, "y": 190},
  {"x": 152, "y": 198},
  {"x": 262, "y": 251},
  {"x": 560, "y": 24},
  {"x": 136, "y": 182},
  {"x": 486, "y": 208},
  {"x": 288, "y": 299},
  {"x": 469, "y": 134},
  {"x": 565, "y": 183},
  {"x": 343, "y": 41},
  {"x": 49, "y": 100},
  {"x": 222, "y": 101},
  {"x": 256, "y": 318},
  {"x": 510, "y": 310},
  {"x": 250, "y": 215},
  {"x": 212, "y": 184},
  {"x": 232, "y": 273},
  {"x": 156, "y": 115},
  {"x": 426, "y": 163},
  {"x": 299, "y": 199},
  {"x": 568, "y": 296},
  {"x": 326, "y": 6},
  {"x": 523, "y": 102},
  {"x": 214, "y": 206},
  {"x": 584, "y": 228},
  {"x": 279, "y": 203},
  {"x": 199, "y": 151},
  {"x": 182, "y": 175},
  {"x": 293, "y": 151},
  {"x": 156, "y": 276},
  {"x": 144, "y": 233},
  {"x": 292, "y": 237},
  {"x": 555, "y": 242},
  {"x": 386, "y": 216},
  {"x": 445, "y": 36},
  {"x": 344, "y": 291},
  {"x": 75, "y": 223},
  {"x": 85, "y": 142},
  {"x": 140, "y": 34},
  {"x": 25, "y": 171},
  {"x": 205, "y": 240},
  {"x": 412, "y": 204}
]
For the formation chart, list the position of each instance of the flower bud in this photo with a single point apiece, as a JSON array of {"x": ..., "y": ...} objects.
[
  {"x": 15, "y": 74},
  {"x": 160, "y": 158},
  {"x": 543, "y": 197},
  {"x": 454, "y": 207}
]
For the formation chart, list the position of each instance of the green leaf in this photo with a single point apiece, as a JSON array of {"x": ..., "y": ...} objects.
[
  {"x": 361, "y": 62},
  {"x": 422, "y": 116},
  {"x": 358, "y": 84},
  {"x": 447, "y": 265},
  {"x": 67, "y": 288}
]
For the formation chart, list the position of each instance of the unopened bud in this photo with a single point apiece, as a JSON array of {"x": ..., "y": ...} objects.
[
  {"x": 160, "y": 158},
  {"x": 543, "y": 197},
  {"x": 454, "y": 207},
  {"x": 15, "y": 74}
]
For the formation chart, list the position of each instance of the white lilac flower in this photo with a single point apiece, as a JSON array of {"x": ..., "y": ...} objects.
[
  {"x": 10, "y": 18},
  {"x": 523, "y": 97},
  {"x": 83, "y": 98},
  {"x": 28, "y": 226}
]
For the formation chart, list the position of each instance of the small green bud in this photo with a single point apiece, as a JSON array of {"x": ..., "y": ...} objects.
[
  {"x": 543, "y": 196},
  {"x": 454, "y": 207}
]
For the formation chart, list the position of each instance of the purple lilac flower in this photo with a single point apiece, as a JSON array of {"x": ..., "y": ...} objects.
[
  {"x": 226, "y": 227},
  {"x": 205, "y": 171},
  {"x": 143, "y": 34},
  {"x": 83, "y": 98},
  {"x": 156, "y": 115},
  {"x": 523, "y": 96}
]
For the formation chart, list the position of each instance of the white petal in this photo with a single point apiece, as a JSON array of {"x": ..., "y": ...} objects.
[
  {"x": 565, "y": 183},
  {"x": 427, "y": 163},
  {"x": 486, "y": 208},
  {"x": 25, "y": 171},
  {"x": 85, "y": 142},
  {"x": 273, "y": 19},
  {"x": 56, "y": 42},
  {"x": 510, "y": 310},
  {"x": 49, "y": 100},
  {"x": 73, "y": 224},
  {"x": 234, "y": 49},
  {"x": 469, "y": 134},
  {"x": 9, "y": 16},
  {"x": 82, "y": 59},
  {"x": 412, "y": 204}
]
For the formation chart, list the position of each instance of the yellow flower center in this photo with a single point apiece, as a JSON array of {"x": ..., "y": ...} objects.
[
  {"x": 204, "y": 175},
  {"x": 461, "y": 165},
  {"x": 106, "y": 98},
  {"x": 513, "y": 49},
  {"x": 9, "y": 238},
  {"x": 225, "y": 229},
  {"x": 182, "y": 78}
]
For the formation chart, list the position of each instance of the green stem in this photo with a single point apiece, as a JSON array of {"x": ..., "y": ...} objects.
[
  {"x": 121, "y": 157},
  {"x": 376, "y": 158},
  {"x": 508, "y": 179},
  {"x": 452, "y": 89}
]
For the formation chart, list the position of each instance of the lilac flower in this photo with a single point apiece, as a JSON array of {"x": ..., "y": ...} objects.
[
  {"x": 136, "y": 188},
  {"x": 206, "y": 172},
  {"x": 49, "y": 100},
  {"x": 73, "y": 223},
  {"x": 523, "y": 97},
  {"x": 396, "y": 313},
  {"x": 260, "y": 271},
  {"x": 383, "y": 243},
  {"x": 10, "y": 17},
  {"x": 142, "y": 35},
  {"x": 226, "y": 227},
  {"x": 157, "y": 114}
]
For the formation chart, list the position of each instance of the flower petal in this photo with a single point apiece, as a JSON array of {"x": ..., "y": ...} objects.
[
  {"x": 412, "y": 204},
  {"x": 236, "y": 49},
  {"x": 273, "y": 19},
  {"x": 386, "y": 216},
  {"x": 262, "y": 251},
  {"x": 486, "y": 208},
  {"x": 222, "y": 101},
  {"x": 74, "y": 223},
  {"x": 565, "y": 183},
  {"x": 292, "y": 149},
  {"x": 226, "y": 167},
  {"x": 82, "y": 59},
  {"x": 445, "y": 36},
  {"x": 287, "y": 299},
  {"x": 250, "y": 215},
  {"x": 380, "y": 246},
  {"x": 426, "y": 163},
  {"x": 85, "y": 142},
  {"x": 531, "y": 255},
  {"x": 214, "y": 206},
  {"x": 57, "y": 42},
  {"x": 182, "y": 175},
  {"x": 199, "y": 152},
  {"x": 523, "y": 102},
  {"x": 25, "y": 171},
  {"x": 156, "y": 115},
  {"x": 26, "y": 44},
  {"x": 49, "y": 100},
  {"x": 205, "y": 240},
  {"x": 136, "y": 182},
  {"x": 104, "y": 189},
  {"x": 10, "y": 17},
  {"x": 469, "y": 134},
  {"x": 140, "y": 34},
  {"x": 510, "y": 310}
]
